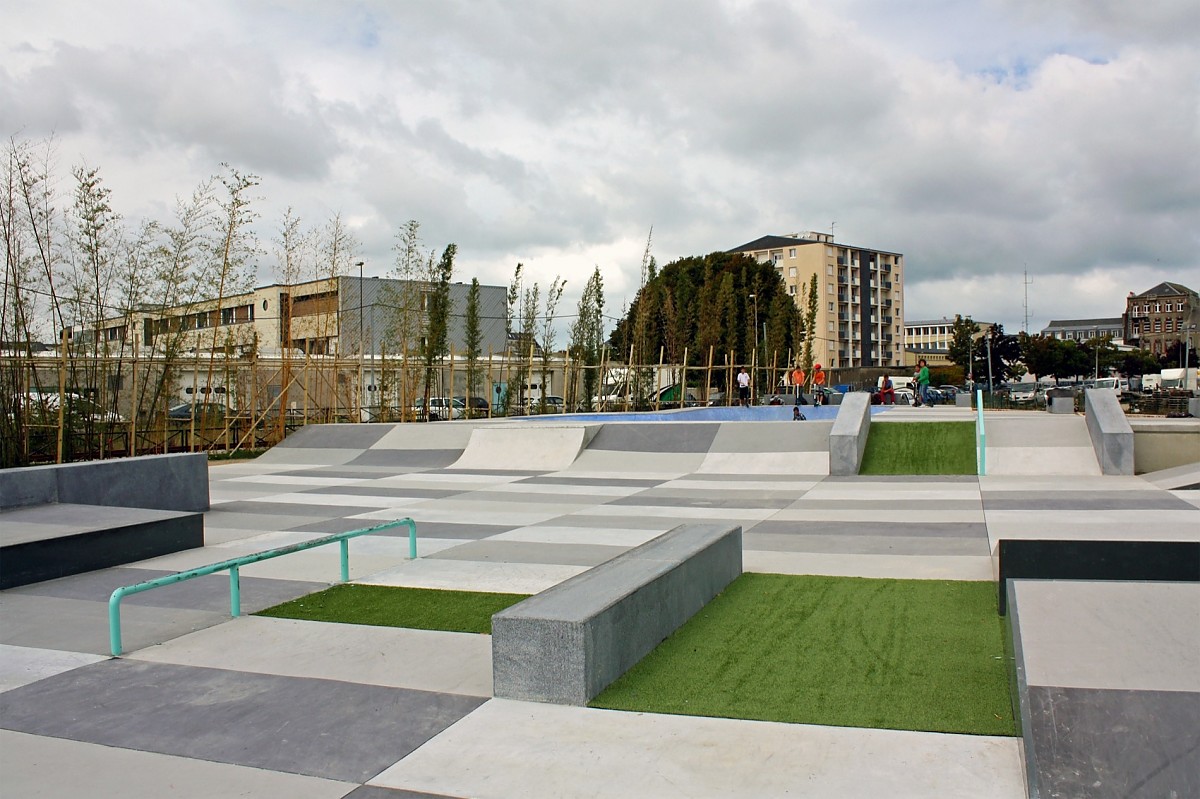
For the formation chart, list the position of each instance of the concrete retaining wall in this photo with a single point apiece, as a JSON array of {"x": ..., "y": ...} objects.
[
  {"x": 848, "y": 438},
  {"x": 1112, "y": 437},
  {"x": 161, "y": 482},
  {"x": 566, "y": 644}
]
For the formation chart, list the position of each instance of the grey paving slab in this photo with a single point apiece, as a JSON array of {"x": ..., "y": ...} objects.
[
  {"x": 209, "y": 593},
  {"x": 319, "y": 728},
  {"x": 621, "y": 482},
  {"x": 526, "y": 497},
  {"x": 52, "y": 768},
  {"x": 288, "y": 509},
  {"x": 895, "y": 505},
  {"x": 581, "y": 554},
  {"x": 1082, "y": 500},
  {"x": 40, "y": 522},
  {"x": 710, "y": 499},
  {"x": 666, "y": 437},
  {"x": 1106, "y": 744},
  {"x": 734, "y": 479},
  {"x": 373, "y": 490},
  {"x": 914, "y": 529},
  {"x": 341, "y": 473},
  {"x": 76, "y": 625},
  {"x": 376, "y": 792},
  {"x": 865, "y": 544},
  {"x": 262, "y": 522},
  {"x": 633, "y": 522},
  {"x": 407, "y": 458}
]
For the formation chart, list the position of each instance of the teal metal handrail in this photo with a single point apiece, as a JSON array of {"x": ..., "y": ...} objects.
[
  {"x": 234, "y": 564},
  {"x": 980, "y": 433}
]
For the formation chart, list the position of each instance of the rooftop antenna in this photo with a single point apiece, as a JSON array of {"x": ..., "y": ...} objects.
[{"x": 832, "y": 225}]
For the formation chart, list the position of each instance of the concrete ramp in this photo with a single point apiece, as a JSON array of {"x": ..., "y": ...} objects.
[
  {"x": 1030, "y": 443},
  {"x": 769, "y": 448},
  {"x": 525, "y": 447}
]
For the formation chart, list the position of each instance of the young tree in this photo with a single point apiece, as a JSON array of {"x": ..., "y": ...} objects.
[
  {"x": 473, "y": 340},
  {"x": 437, "y": 309},
  {"x": 810, "y": 324},
  {"x": 587, "y": 336},
  {"x": 553, "y": 295},
  {"x": 963, "y": 350}
]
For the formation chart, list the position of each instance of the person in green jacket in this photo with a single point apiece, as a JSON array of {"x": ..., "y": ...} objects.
[{"x": 923, "y": 382}]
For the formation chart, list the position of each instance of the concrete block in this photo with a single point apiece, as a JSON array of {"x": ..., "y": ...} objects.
[
  {"x": 962, "y": 400},
  {"x": 1194, "y": 407},
  {"x": 163, "y": 482},
  {"x": 848, "y": 438},
  {"x": 566, "y": 644},
  {"x": 1061, "y": 405},
  {"x": 29, "y": 485},
  {"x": 1112, "y": 437}
]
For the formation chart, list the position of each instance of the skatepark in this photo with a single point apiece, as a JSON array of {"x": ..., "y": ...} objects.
[{"x": 202, "y": 704}]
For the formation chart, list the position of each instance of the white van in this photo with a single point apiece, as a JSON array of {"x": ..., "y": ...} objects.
[{"x": 1118, "y": 384}]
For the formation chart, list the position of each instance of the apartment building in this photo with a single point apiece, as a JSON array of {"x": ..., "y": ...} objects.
[
  {"x": 860, "y": 307},
  {"x": 930, "y": 339},
  {"x": 1158, "y": 317},
  {"x": 332, "y": 316},
  {"x": 1085, "y": 329}
]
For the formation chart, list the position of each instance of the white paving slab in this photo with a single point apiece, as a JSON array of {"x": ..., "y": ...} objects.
[
  {"x": 467, "y": 575},
  {"x": 21, "y": 665},
  {"x": 681, "y": 513},
  {"x": 53, "y": 768},
  {"x": 424, "y": 660},
  {"x": 883, "y": 515},
  {"x": 1037, "y": 461},
  {"x": 1108, "y": 525},
  {"x": 765, "y": 463},
  {"x": 508, "y": 748}
]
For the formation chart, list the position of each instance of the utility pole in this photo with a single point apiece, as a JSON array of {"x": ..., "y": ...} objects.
[
  {"x": 1025, "y": 324},
  {"x": 989, "y": 359},
  {"x": 361, "y": 387}
]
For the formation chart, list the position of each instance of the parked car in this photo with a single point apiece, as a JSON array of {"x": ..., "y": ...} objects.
[
  {"x": 553, "y": 404},
  {"x": 478, "y": 406},
  {"x": 211, "y": 411},
  {"x": 1025, "y": 392},
  {"x": 440, "y": 408},
  {"x": 42, "y": 408}
]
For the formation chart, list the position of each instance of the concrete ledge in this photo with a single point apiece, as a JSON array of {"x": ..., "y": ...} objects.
[
  {"x": 162, "y": 482},
  {"x": 1112, "y": 437},
  {"x": 1169, "y": 561},
  {"x": 962, "y": 400},
  {"x": 567, "y": 644},
  {"x": 33, "y": 549},
  {"x": 1061, "y": 405},
  {"x": 848, "y": 438}
]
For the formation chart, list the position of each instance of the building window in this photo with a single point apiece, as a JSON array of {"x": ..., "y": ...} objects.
[
  {"x": 792, "y": 252},
  {"x": 792, "y": 271},
  {"x": 830, "y": 288},
  {"x": 792, "y": 290}
]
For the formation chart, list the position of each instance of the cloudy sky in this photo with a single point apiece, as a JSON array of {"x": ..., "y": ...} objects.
[{"x": 981, "y": 139}]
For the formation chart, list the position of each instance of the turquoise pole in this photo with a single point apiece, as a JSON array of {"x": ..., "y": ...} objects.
[
  {"x": 981, "y": 432},
  {"x": 235, "y": 592},
  {"x": 344, "y": 545}
]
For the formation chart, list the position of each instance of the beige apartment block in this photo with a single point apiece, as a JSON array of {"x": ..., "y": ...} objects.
[
  {"x": 930, "y": 339},
  {"x": 860, "y": 290}
]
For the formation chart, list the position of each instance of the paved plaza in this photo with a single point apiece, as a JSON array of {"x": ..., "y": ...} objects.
[{"x": 202, "y": 705}]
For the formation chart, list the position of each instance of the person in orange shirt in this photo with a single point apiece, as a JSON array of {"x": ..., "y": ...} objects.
[
  {"x": 818, "y": 378},
  {"x": 798, "y": 380}
]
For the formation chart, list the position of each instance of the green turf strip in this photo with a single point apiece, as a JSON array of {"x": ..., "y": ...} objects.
[
  {"x": 920, "y": 448},
  {"x": 843, "y": 651},
  {"x": 386, "y": 606}
]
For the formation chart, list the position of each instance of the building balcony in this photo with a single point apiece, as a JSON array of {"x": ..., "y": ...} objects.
[
  {"x": 843, "y": 316},
  {"x": 887, "y": 284}
]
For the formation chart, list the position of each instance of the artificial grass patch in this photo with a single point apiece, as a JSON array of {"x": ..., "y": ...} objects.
[
  {"x": 920, "y": 448},
  {"x": 387, "y": 606},
  {"x": 842, "y": 651}
]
